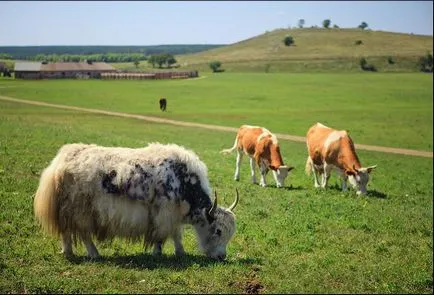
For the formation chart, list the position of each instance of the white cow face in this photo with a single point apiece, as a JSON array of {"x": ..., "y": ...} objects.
[
  {"x": 280, "y": 175},
  {"x": 360, "y": 179}
]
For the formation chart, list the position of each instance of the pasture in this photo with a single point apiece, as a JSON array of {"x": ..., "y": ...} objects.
[
  {"x": 379, "y": 109},
  {"x": 291, "y": 240}
]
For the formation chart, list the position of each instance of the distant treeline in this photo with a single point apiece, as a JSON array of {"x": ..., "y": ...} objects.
[
  {"x": 109, "y": 57},
  {"x": 30, "y": 52}
]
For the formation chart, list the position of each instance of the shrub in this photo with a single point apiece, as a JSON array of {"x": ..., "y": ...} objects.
[
  {"x": 288, "y": 41},
  {"x": 365, "y": 66},
  {"x": 215, "y": 66},
  {"x": 426, "y": 63},
  {"x": 358, "y": 42},
  {"x": 390, "y": 60},
  {"x": 363, "y": 62}
]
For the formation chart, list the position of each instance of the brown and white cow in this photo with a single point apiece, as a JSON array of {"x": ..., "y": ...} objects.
[
  {"x": 329, "y": 148},
  {"x": 263, "y": 149}
]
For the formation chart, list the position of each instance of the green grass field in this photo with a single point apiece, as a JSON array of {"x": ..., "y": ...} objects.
[
  {"x": 379, "y": 109},
  {"x": 291, "y": 240}
]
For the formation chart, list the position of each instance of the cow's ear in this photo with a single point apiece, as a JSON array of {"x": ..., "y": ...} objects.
[
  {"x": 371, "y": 168},
  {"x": 348, "y": 173}
]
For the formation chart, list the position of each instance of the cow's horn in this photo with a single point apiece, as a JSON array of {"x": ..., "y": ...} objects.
[
  {"x": 234, "y": 204},
  {"x": 354, "y": 167},
  {"x": 214, "y": 205}
]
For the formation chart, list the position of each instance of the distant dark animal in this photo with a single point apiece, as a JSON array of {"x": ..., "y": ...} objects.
[
  {"x": 163, "y": 104},
  {"x": 144, "y": 194}
]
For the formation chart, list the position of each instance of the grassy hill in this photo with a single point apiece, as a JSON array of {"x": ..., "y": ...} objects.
[{"x": 316, "y": 49}]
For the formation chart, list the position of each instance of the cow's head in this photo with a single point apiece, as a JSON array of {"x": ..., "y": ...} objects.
[
  {"x": 217, "y": 229},
  {"x": 359, "y": 178},
  {"x": 280, "y": 174}
]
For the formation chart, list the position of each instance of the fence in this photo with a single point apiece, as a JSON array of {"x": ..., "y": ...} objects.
[{"x": 154, "y": 76}]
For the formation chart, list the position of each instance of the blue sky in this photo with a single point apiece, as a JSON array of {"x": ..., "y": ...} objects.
[{"x": 194, "y": 22}]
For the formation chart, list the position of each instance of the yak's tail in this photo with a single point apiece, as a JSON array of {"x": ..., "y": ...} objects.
[
  {"x": 308, "y": 168},
  {"x": 228, "y": 151},
  {"x": 45, "y": 202}
]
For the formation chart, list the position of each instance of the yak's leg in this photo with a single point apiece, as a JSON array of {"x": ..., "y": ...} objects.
[
  {"x": 238, "y": 165},
  {"x": 158, "y": 248},
  {"x": 252, "y": 168},
  {"x": 90, "y": 246},
  {"x": 177, "y": 239},
  {"x": 67, "y": 244}
]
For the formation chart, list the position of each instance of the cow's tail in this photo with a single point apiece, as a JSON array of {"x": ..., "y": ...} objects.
[
  {"x": 45, "y": 202},
  {"x": 308, "y": 168},
  {"x": 228, "y": 151}
]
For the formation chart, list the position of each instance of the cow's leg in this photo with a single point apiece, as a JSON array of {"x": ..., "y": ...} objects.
[
  {"x": 343, "y": 177},
  {"x": 315, "y": 172},
  {"x": 90, "y": 246},
  {"x": 264, "y": 169},
  {"x": 177, "y": 239},
  {"x": 67, "y": 244},
  {"x": 326, "y": 174},
  {"x": 238, "y": 165},
  {"x": 252, "y": 168},
  {"x": 158, "y": 248}
]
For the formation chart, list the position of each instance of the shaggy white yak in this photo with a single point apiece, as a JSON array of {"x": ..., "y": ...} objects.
[{"x": 139, "y": 194}]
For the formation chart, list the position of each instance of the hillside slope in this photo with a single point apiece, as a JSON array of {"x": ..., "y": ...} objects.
[{"x": 315, "y": 44}]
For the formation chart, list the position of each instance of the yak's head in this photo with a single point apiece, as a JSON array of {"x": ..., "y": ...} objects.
[{"x": 217, "y": 229}]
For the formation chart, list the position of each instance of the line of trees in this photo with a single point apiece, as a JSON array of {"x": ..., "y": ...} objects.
[
  {"x": 109, "y": 57},
  {"x": 165, "y": 59},
  {"x": 22, "y": 52},
  {"x": 327, "y": 22}
]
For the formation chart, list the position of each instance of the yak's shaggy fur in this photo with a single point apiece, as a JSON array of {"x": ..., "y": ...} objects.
[{"x": 146, "y": 193}]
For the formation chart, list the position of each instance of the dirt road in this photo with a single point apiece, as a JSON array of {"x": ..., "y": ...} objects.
[{"x": 211, "y": 127}]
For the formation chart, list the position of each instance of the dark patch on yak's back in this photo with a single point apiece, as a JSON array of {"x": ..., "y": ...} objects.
[
  {"x": 190, "y": 188},
  {"x": 107, "y": 184},
  {"x": 136, "y": 187}
]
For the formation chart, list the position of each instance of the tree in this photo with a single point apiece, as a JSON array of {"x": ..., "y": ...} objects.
[
  {"x": 335, "y": 26},
  {"x": 152, "y": 60},
  {"x": 215, "y": 66},
  {"x": 326, "y": 23},
  {"x": 136, "y": 63},
  {"x": 160, "y": 60},
  {"x": 426, "y": 63},
  {"x": 363, "y": 25},
  {"x": 170, "y": 60},
  {"x": 300, "y": 23},
  {"x": 288, "y": 41}
]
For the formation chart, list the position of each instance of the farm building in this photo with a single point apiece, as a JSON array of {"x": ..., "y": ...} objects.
[
  {"x": 27, "y": 70},
  {"x": 58, "y": 70}
]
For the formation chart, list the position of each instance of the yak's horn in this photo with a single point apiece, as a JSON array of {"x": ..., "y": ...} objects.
[
  {"x": 214, "y": 205},
  {"x": 237, "y": 197}
]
